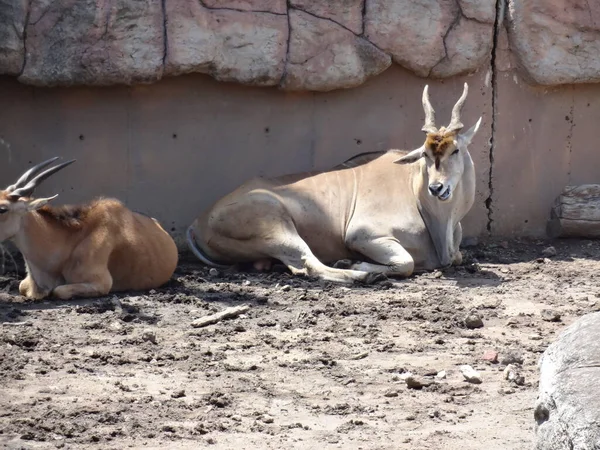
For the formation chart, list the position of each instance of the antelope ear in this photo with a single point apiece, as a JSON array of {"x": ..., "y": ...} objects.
[
  {"x": 39, "y": 202},
  {"x": 464, "y": 139},
  {"x": 411, "y": 157}
]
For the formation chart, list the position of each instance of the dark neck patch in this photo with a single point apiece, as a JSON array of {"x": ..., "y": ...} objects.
[{"x": 69, "y": 216}]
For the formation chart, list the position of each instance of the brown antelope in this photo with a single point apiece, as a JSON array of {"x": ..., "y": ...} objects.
[
  {"x": 393, "y": 211},
  {"x": 82, "y": 250}
]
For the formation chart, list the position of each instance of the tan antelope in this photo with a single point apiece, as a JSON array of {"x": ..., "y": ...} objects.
[
  {"x": 393, "y": 211},
  {"x": 82, "y": 250}
]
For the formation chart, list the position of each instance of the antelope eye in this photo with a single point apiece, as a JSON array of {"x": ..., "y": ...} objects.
[
  {"x": 455, "y": 152},
  {"x": 3, "y": 209}
]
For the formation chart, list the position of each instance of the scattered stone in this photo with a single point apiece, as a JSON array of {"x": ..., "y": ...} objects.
[
  {"x": 550, "y": 315},
  {"x": 434, "y": 414},
  {"x": 437, "y": 274},
  {"x": 470, "y": 374},
  {"x": 506, "y": 391},
  {"x": 473, "y": 321},
  {"x": 417, "y": 382},
  {"x": 391, "y": 393},
  {"x": 361, "y": 355},
  {"x": 267, "y": 418},
  {"x": 549, "y": 252},
  {"x": 491, "y": 303},
  {"x": 116, "y": 326},
  {"x": 213, "y": 272},
  {"x": 535, "y": 337},
  {"x": 491, "y": 356},
  {"x": 246, "y": 283},
  {"x": 441, "y": 374},
  {"x": 512, "y": 374},
  {"x": 285, "y": 288},
  {"x": 512, "y": 321},
  {"x": 178, "y": 394},
  {"x": 511, "y": 357},
  {"x": 149, "y": 336},
  {"x": 411, "y": 416}
]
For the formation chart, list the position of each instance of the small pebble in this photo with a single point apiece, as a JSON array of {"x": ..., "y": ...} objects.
[
  {"x": 246, "y": 283},
  {"x": 470, "y": 374},
  {"x": 267, "y": 418},
  {"x": 512, "y": 374},
  {"x": 285, "y": 288},
  {"x": 550, "y": 315},
  {"x": 149, "y": 336},
  {"x": 178, "y": 394},
  {"x": 441, "y": 374},
  {"x": 491, "y": 356},
  {"x": 549, "y": 252},
  {"x": 511, "y": 357},
  {"x": 473, "y": 321},
  {"x": 416, "y": 382},
  {"x": 213, "y": 272},
  {"x": 391, "y": 393},
  {"x": 437, "y": 274}
]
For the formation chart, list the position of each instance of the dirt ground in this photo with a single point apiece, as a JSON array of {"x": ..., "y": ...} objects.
[{"x": 310, "y": 365}]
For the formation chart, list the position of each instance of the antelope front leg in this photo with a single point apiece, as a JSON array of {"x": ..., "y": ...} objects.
[
  {"x": 393, "y": 259},
  {"x": 93, "y": 289},
  {"x": 457, "y": 258}
]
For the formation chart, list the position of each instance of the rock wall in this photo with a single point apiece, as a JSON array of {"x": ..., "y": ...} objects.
[{"x": 315, "y": 45}]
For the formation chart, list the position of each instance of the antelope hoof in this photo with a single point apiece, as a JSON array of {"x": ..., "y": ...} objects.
[
  {"x": 27, "y": 290},
  {"x": 343, "y": 264},
  {"x": 458, "y": 258},
  {"x": 374, "y": 277}
]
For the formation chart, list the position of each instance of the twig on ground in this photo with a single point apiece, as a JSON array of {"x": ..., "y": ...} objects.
[{"x": 228, "y": 313}]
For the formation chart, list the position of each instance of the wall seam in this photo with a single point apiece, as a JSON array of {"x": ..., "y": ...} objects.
[{"x": 489, "y": 202}]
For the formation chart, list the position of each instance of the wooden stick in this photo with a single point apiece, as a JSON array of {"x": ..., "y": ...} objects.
[
  {"x": 228, "y": 313},
  {"x": 17, "y": 324}
]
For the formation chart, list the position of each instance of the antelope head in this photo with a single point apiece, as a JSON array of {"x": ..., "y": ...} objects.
[
  {"x": 445, "y": 149},
  {"x": 16, "y": 200}
]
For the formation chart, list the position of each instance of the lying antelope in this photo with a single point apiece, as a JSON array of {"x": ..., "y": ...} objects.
[
  {"x": 393, "y": 211},
  {"x": 84, "y": 250}
]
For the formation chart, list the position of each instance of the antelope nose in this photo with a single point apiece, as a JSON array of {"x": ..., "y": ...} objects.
[{"x": 436, "y": 188}]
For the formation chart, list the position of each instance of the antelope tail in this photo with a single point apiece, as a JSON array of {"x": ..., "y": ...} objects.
[{"x": 196, "y": 251}]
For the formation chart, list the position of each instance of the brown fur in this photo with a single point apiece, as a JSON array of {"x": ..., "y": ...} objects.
[
  {"x": 68, "y": 216},
  {"x": 439, "y": 143},
  {"x": 87, "y": 250}
]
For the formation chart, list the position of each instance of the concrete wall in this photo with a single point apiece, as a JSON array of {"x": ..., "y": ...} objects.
[{"x": 171, "y": 148}]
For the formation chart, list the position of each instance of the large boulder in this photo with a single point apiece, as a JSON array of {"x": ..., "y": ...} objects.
[
  {"x": 347, "y": 13},
  {"x": 556, "y": 41},
  {"x": 97, "y": 43},
  {"x": 325, "y": 56},
  {"x": 12, "y": 49},
  {"x": 230, "y": 45},
  {"x": 441, "y": 39},
  {"x": 315, "y": 45},
  {"x": 272, "y": 6},
  {"x": 567, "y": 412}
]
